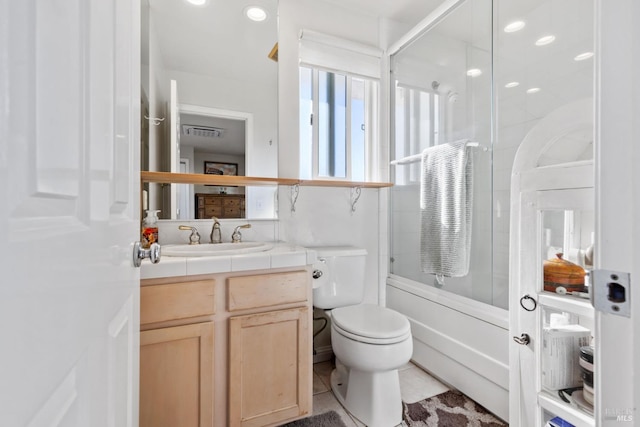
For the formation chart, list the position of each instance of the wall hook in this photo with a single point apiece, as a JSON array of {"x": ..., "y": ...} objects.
[
  {"x": 154, "y": 120},
  {"x": 295, "y": 191},
  {"x": 355, "y": 196}
]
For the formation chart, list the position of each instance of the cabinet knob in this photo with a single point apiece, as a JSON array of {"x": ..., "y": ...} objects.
[{"x": 522, "y": 339}]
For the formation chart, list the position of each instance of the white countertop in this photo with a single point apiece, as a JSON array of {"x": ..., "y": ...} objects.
[{"x": 282, "y": 255}]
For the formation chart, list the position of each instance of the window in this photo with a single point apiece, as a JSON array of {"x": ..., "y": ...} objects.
[
  {"x": 338, "y": 125},
  {"x": 418, "y": 122}
]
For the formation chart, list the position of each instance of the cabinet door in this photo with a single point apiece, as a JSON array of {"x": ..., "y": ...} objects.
[
  {"x": 557, "y": 221},
  {"x": 279, "y": 340},
  {"x": 176, "y": 376}
]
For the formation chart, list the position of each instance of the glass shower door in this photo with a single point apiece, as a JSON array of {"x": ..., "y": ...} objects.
[{"x": 441, "y": 90}]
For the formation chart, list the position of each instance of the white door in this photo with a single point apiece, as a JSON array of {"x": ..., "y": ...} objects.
[
  {"x": 174, "y": 149},
  {"x": 184, "y": 193},
  {"x": 617, "y": 354},
  {"x": 69, "y": 195}
]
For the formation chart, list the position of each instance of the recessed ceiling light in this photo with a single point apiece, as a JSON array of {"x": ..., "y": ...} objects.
[
  {"x": 255, "y": 13},
  {"x": 545, "y": 40},
  {"x": 514, "y": 26},
  {"x": 533, "y": 90},
  {"x": 474, "y": 72},
  {"x": 583, "y": 56},
  {"x": 511, "y": 84},
  {"x": 197, "y": 2}
]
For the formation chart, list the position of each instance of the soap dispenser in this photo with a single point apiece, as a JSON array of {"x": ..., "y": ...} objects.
[{"x": 150, "y": 228}]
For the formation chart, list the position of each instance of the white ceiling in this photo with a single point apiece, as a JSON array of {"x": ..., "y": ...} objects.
[
  {"x": 405, "y": 11},
  {"x": 231, "y": 143},
  {"x": 216, "y": 39}
]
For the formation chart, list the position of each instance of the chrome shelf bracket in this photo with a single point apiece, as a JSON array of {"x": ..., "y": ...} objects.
[{"x": 355, "y": 196}]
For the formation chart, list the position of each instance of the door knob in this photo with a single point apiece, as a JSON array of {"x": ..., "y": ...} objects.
[
  {"x": 153, "y": 253},
  {"x": 522, "y": 339}
]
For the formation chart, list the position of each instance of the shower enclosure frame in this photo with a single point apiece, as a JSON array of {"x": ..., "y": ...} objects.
[{"x": 462, "y": 341}]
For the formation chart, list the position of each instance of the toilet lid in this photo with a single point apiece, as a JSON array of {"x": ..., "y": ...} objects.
[{"x": 371, "y": 322}]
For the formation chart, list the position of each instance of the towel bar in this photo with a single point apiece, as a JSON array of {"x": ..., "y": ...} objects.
[{"x": 418, "y": 157}]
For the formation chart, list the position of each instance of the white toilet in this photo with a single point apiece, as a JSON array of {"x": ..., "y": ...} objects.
[{"x": 370, "y": 342}]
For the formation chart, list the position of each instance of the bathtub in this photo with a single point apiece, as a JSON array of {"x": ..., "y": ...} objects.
[{"x": 462, "y": 342}]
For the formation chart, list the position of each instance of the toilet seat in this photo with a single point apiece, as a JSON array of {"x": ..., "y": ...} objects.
[{"x": 371, "y": 324}]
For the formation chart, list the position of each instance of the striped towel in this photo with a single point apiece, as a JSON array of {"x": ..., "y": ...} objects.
[{"x": 446, "y": 199}]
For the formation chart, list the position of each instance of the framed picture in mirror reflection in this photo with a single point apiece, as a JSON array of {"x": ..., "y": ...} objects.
[{"x": 220, "y": 168}]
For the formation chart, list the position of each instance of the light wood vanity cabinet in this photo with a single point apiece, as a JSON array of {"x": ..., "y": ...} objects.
[
  {"x": 176, "y": 354},
  {"x": 257, "y": 371}
]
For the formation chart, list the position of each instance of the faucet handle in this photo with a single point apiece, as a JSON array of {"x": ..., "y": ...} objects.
[
  {"x": 194, "y": 238},
  {"x": 236, "y": 237},
  {"x": 216, "y": 235}
]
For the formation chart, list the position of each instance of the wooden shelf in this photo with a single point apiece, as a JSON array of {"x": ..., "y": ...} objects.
[
  {"x": 327, "y": 183},
  {"x": 227, "y": 181},
  {"x": 204, "y": 179}
]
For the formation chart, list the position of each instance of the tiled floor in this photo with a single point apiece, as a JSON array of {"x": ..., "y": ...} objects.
[{"x": 415, "y": 385}]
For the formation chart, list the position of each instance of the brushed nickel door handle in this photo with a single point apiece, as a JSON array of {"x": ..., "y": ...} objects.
[{"x": 522, "y": 339}]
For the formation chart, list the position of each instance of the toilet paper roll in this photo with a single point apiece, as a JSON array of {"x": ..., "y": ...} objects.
[{"x": 320, "y": 274}]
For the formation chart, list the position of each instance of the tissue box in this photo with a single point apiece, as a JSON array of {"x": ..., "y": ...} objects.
[{"x": 561, "y": 356}]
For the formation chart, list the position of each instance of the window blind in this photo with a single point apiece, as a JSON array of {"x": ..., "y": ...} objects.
[{"x": 336, "y": 54}]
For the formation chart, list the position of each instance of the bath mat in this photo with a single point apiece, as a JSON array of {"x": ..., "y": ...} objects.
[
  {"x": 449, "y": 409},
  {"x": 326, "y": 419}
]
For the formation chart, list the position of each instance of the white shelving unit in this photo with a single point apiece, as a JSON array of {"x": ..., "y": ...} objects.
[
  {"x": 553, "y": 217},
  {"x": 552, "y": 211}
]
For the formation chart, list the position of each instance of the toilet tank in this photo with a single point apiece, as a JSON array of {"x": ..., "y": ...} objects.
[{"x": 341, "y": 279}]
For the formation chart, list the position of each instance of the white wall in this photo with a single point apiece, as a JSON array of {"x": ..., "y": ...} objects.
[{"x": 155, "y": 79}]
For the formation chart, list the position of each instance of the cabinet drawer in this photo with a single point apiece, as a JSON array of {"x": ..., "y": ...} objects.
[
  {"x": 266, "y": 290},
  {"x": 210, "y": 211},
  {"x": 232, "y": 212},
  {"x": 159, "y": 303},
  {"x": 213, "y": 201},
  {"x": 231, "y": 203}
]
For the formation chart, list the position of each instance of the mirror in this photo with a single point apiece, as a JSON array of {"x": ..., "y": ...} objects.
[{"x": 209, "y": 89}]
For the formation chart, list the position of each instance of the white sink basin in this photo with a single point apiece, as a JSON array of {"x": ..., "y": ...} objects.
[{"x": 213, "y": 249}]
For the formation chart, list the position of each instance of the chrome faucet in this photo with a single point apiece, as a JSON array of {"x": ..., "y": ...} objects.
[
  {"x": 236, "y": 237},
  {"x": 194, "y": 238},
  {"x": 216, "y": 235}
]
